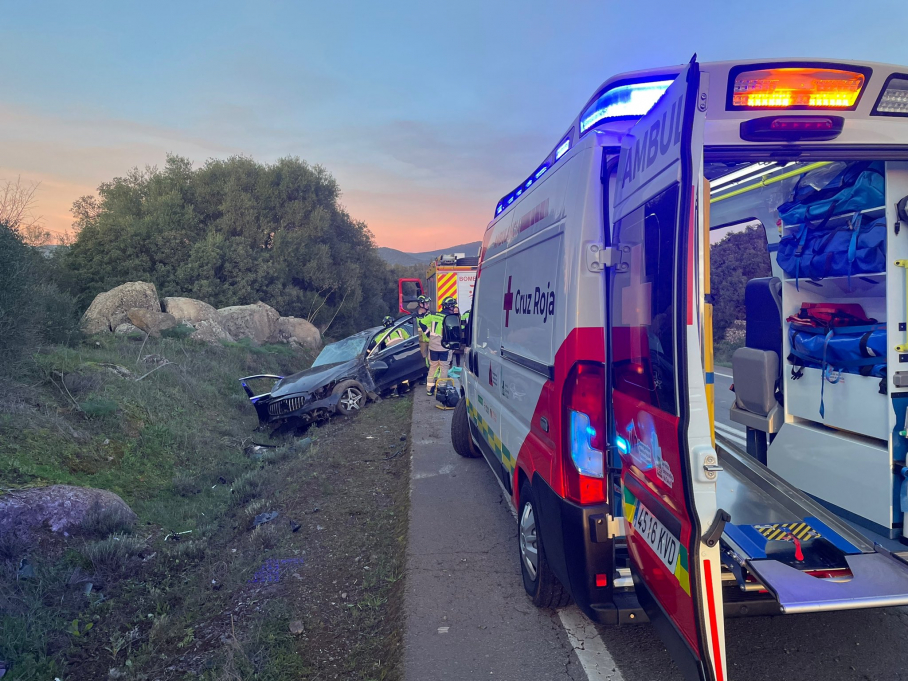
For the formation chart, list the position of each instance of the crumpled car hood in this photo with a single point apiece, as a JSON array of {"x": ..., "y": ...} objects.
[{"x": 313, "y": 378}]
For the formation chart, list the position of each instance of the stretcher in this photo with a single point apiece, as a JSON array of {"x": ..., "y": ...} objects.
[{"x": 783, "y": 552}]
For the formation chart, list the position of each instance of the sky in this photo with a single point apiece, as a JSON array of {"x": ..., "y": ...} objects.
[{"x": 425, "y": 112}]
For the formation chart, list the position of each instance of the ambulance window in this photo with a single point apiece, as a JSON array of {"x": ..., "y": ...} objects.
[{"x": 642, "y": 312}]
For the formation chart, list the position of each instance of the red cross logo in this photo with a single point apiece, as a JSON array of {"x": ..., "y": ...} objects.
[{"x": 508, "y": 303}]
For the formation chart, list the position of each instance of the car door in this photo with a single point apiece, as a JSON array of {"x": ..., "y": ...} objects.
[
  {"x": 657, "y": 387},
  {"x": 397, "y": 362}
]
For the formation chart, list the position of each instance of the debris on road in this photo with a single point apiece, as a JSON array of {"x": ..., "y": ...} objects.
[{"x": 263, "y": 518}]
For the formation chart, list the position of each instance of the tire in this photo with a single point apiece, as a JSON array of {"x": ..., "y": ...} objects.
[
  {"x": 460, "y": 432},
  {"x": 352, "y": 397},
  {"x": 540, "y": 583}
]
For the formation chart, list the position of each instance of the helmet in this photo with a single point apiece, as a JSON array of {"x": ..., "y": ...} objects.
[
  {"x": 448, "y": 303},
  {"x": 387, "y": 321},
  {"x": 424, "y": 301}
]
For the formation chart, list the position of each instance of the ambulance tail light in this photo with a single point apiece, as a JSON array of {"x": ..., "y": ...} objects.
[
  {"x": 584, "y": 434},
  {"x": 796, "y": 88}
]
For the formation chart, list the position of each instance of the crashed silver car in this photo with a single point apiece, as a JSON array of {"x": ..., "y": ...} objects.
[{"x": 343, "y": 377}]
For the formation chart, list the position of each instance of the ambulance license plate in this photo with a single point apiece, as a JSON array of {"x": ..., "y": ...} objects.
[{"x": 654, "y": 533}]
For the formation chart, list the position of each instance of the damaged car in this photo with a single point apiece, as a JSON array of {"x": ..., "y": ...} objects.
[{"x": 343, "y": 377}]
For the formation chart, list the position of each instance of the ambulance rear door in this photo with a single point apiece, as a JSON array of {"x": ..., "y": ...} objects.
[{"x": 662, "y": 443}]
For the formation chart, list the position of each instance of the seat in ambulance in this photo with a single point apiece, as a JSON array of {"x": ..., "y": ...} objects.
[{"x": 757, "y": 367}]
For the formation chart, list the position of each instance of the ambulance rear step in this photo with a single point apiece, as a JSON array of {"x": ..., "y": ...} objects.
[{"x": 782, "y": 543}]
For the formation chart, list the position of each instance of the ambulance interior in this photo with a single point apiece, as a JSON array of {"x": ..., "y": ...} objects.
[{"x": 816, "y": 502}]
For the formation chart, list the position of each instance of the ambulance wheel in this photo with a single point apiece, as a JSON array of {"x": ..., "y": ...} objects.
[
  {"x": 352, "y": 397},
  {"x": 460, "y": 431},
  {"x": 541, "y": 584}
]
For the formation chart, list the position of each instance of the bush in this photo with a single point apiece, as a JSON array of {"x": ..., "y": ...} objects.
[
  {"x": 33, "y": 311},
  {"x": 103, "y": 522},
  {"x": 248, "y": 486},
  {"x": 113, "y": 553},
  {"x": 98, "y": 407}
]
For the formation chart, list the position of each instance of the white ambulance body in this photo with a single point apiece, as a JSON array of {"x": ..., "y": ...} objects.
[{"x": 589, "y": 368}]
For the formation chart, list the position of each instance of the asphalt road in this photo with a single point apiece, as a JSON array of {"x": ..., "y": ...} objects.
[{"x": 468, "y": 617}]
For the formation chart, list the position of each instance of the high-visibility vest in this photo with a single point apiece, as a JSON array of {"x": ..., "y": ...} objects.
[
  {"x": 432, "y": 324},
  {"x": 392, "y": 334}
]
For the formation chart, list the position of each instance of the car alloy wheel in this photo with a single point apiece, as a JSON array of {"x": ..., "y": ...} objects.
[
  {"x": 351, "y": 399},
  {"x": 529, "y": 543}
]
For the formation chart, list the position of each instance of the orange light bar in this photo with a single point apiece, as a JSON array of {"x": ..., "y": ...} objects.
[{"x": 785, "y": 88}]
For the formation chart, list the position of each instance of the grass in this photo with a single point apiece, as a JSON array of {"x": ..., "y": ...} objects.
[{"x": 172, "y": 594}]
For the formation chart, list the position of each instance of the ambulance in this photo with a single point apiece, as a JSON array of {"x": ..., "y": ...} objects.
[
  {"x": 589, "y": 382},
  {"x": 452, "y": 276}
]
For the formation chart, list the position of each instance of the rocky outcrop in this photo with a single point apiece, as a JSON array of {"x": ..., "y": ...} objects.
[
  {"x": 108, "y": 310},
  {"x": 151, "y": 322},
  {"x": 134, "y": 307},
  {"x": 189, "y": 310},
  {"x": 59, "y": 508},
  {"x": 209, "y": 332},
  {"x": 256, "y": 322},
  {"x": 299, "y": 332}
]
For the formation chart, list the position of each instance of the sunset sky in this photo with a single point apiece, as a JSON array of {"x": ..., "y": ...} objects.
[{"x": 425, "y": 112}]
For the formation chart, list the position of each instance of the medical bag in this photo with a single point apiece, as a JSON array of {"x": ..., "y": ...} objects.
[
  {"x": 447, "y": 394},
  {"x": 815, "y": 249}
]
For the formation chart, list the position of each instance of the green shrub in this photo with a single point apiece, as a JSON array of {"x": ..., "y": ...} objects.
[
  {"x": 97, "y": 407},
  {"x": 179, "y": 332},
  {"x": 103, "y": 522},
  {"x": 113, "y": 553},
  {"x": 248, "y": 486}
]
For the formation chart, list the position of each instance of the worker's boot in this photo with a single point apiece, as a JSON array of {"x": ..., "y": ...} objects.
[{"x": 430, "y": 389}]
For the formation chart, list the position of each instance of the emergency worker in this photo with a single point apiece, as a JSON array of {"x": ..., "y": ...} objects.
[
  {"x": 431, "y": 326},
  {"x": 390, "y": 336},
  {"x": 422, "y": 309}
]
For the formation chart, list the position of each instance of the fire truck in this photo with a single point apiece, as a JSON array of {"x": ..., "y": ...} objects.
[{"x": 452, "y": 276}]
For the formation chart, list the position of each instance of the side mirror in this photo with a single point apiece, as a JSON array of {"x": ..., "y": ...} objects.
[
  {"x": 410, "y": 305},
  {"x": 452, "y": 333},
  {"x": 378, "y": 365}
]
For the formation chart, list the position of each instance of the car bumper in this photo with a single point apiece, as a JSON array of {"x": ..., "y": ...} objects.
[{"x": 275, "y": 410}]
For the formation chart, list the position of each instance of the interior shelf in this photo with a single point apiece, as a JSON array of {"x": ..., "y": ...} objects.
[{"x": 855, "y": 286}]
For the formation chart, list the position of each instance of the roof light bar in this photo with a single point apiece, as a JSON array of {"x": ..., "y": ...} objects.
[
  {"x": 563, "y": 148},
  {"x": 799, "y": 87},
  {"x": 631, "y": 100},
  {"x": 894, "y": 100}
]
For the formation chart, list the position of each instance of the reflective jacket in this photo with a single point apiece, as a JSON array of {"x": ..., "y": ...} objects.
[
  {"x": 391, "y": 336},
  {"x": 430, "y": 327}
]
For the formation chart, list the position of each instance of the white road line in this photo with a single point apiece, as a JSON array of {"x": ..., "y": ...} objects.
[
  {"x": 735, "y": 436},
  {"x": 591, "y": 652},
  {"x": 721, "y": 374}
]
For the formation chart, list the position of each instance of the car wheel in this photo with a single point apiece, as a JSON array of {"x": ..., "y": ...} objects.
[
  {"x": 460, "y": 431},
  {"x": 352, "y": 397},
  {"x": 540, "y": 583}
]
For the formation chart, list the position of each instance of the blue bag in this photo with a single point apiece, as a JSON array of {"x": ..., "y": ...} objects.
[
  {"x": 814, "y": 249},
  {"x": 843, "y": 349},
  {"x": 857, "y": 187},
  {"x": 857, "y": 247}
]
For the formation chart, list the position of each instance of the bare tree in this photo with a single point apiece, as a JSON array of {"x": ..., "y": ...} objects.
[{"x": 17, "y": 204}]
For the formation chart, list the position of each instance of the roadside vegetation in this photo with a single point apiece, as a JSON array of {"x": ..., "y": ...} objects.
[
  {"x": 242, "y": 561},
  {"x": 181, "y": 593}
]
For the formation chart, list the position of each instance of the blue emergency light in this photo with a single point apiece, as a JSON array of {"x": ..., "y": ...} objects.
[{"x": 624, "y": 101}]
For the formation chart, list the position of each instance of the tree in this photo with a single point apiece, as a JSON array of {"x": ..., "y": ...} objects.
[
  {"x": 738, "y": 258},
  {"x": 233, "y": 232}
]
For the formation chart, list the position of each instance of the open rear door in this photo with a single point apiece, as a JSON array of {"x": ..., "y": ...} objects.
[{"x": 662, "y": 430}]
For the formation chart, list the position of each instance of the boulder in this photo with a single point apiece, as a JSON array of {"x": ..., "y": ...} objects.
[
  {"x": 189, "y": 310},
  {"x": 108, "y": 310},
  {"x": 60, "y": 508},
  {"x": 210, "y": 332},
  {"x": 126, "y": 328},
  {"x": 296, "y": 331},
  {"x": 257, "y": 322},
  {"x": 151, "y": 322}
]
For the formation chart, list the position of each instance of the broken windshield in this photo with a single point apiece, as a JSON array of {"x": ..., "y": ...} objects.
[{"x": 342, "y": 351}]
